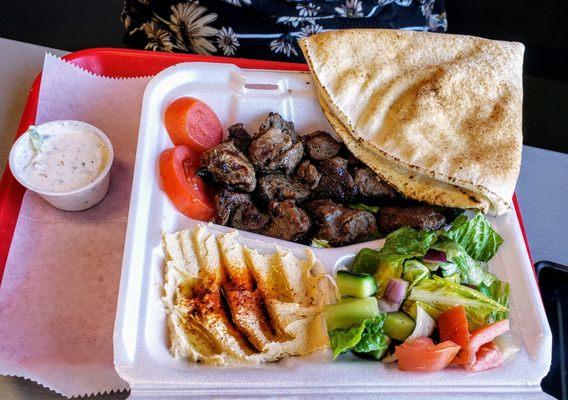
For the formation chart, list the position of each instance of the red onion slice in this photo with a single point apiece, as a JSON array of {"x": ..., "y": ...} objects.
[
  {"x": 396, "y": 290},
  {"x": 386, "y": 306},
  {"x": 435, "y": 256}
]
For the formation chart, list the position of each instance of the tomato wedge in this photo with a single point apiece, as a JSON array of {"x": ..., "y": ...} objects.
[
  {"x": 422, "y": 354},
  {"x": 452, "y": 325},
  {"x": 488, "y": 356},
  {"x": 191, "y": 122},
  {"x": 486, "y": 334},
  {"x": 185, "y": 189}
]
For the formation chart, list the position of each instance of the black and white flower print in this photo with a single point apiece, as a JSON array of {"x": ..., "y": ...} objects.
[
  {"x": 227, "y": 41},
  {"x": 264, "y": 29},
  {"x": 126, "y": 19},
  {"x": 293, "y": 21},
  {"x": 351, "y": 9},
  {"x": 307, "y": 10},
  {"x": 434, "y": 21},
  {"x": 158, "y": 39},
  {"x": 309, "y": 30},
  {"x": 402, "y": 3},
  {"x": 189, "y": 22},
  {"x": 284, "y": 45},
  {"x": 238, "y": 3}
]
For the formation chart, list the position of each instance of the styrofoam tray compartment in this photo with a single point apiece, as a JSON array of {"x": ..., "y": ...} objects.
[{"x": 140, "y": 337}]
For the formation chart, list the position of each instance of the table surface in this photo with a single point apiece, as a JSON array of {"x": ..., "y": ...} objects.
[{"x": 542, "y": 188}]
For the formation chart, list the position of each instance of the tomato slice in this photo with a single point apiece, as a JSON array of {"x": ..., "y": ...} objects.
[
  {"x": 185, "y": 189},
  {"x": 452, "y": 325},
  {"x": 422, "y": 354},
  {"x": 488, "y": 356},
  {"x": 191, "y": 122}
]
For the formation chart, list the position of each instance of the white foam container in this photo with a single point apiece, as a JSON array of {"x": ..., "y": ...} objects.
[{"x": 140, "y": 338}]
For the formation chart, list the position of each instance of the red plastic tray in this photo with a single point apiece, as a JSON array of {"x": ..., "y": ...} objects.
[{"x": 126, "y": 64}]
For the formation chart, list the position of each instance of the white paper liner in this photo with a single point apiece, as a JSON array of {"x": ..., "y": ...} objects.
[{"x": 60, "y": 285}]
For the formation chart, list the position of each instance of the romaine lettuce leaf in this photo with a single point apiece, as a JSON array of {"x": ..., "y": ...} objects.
[
  {"x": 407, "y": 242},
  {"x": 414, "y": 272},
  {"x": 364, "y": 338},
  {"x": 469, "y": 270},
  {"x": 366, "y": 262},
  {"x": 411, "y": 308},
  {"x": 373, "y": 337},
  {"x": 320, "y": 243},
  {"x": 343, "y": 340},
  {"x": 498, "y": 291},
  {"x": 476, "y": 236},
  {"x": 443, "y": 294},
  {"x": 400, "y": 245},
  {"x": 455, "y": 277}
]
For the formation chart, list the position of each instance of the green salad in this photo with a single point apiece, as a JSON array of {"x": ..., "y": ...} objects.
[{"x": 424, "y": 287}]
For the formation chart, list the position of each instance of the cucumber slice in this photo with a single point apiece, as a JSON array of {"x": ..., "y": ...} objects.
[
  {"x": 350, "y": 312},
  {"x": 398, "y": 325},
  {"x": 355, "y": 285}
]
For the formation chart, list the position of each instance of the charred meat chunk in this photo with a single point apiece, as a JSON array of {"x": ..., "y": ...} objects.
[
  {"x": 321, "y": 145},
  {"x": 225, "y": 202},
  {"x": 336, "y": 182},
  {"x": 340, "y": 225},
  {"x": 224, "y": 164},
  {"x": 240, "y": 137},
  {"x": 370, "y": 187},
  {"x": 308, "y": 174},
  {"x": 236, "y": 210},
  {"x": 275, "y": 120},
  {"x": 279, "y": 187},
  {"x": 276, "y": 148},
  {"x": 417, "y": 217},
  {"x": 287, "y": 221}
]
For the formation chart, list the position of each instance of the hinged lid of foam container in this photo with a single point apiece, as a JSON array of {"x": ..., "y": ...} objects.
[{"x": 140, "y": 338}]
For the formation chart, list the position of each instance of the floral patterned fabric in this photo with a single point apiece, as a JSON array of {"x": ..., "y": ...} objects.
[{"x": 264, "y": 29}]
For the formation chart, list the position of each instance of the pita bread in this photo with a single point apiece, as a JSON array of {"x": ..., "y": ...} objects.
[
  {"x": 229, "y": 305},
  {"x": 437, "y": 116}
]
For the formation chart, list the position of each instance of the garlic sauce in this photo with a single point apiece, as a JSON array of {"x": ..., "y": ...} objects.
[{"x": 62, "y": 160}]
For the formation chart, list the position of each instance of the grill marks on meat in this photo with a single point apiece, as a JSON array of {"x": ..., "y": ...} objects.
[
  {"x": 321, "y": 145},
  {"x": 276, "y": 147},
  {"x": 279, "y": 187},
  {"x": 287, "y": 221},
  {"x": 417, "y": 217},
  {"x": 340, "y": 225},
  {"x": 370, "y": 187},
  {"x": 275, "y": 120},
  {"x": 336, "y": 182},
  {"x": 237, "y": 210},
  {"x": 224, "y": 164},
  {"x": 308, "y": 174},
  {"x": 240, "y": 137}
]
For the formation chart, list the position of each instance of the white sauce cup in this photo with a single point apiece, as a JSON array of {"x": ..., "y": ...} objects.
[{"x": 77, "y": 199}]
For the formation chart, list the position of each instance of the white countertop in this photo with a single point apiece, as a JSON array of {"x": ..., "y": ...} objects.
[{"x": 542, "y": 188}]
